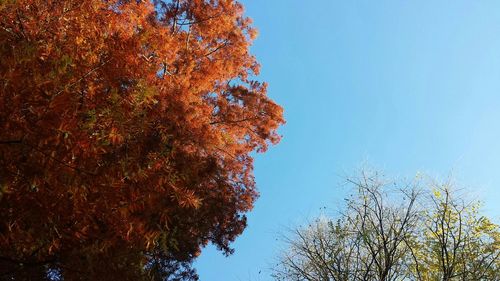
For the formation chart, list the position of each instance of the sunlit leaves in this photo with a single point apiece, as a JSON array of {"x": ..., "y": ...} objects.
[
  {"x": 123, "y": 122},
  {"x": 432, "y": 234}
]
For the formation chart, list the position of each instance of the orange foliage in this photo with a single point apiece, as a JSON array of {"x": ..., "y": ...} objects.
[{"x": 126, "y": 129}]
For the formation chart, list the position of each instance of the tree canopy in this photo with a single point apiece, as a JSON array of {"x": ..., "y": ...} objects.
[
  {"x": 126, "y": 133},
  {"x": 390, "y": 231}
]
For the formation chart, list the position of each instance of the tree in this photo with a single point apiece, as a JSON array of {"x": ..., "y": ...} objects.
[
  {"x": 458, "y": 243},
  {"x": 383, "y": 217},
  {"x": 126, "y": 129},
  {"x": 324, "y": 250},
  {"x": 393, "y": 232}
]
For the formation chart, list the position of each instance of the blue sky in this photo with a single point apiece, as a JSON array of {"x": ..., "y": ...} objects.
[{"x": 405, "y": 86}]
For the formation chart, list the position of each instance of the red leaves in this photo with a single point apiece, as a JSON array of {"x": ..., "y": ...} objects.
[{"x": 136, "y": 125}]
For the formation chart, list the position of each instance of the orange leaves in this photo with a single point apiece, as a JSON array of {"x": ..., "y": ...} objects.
[
  {"x": 114, "y": 136},
  {"x": 186, "y": 198},
  {"x": 137, "y": 127}
]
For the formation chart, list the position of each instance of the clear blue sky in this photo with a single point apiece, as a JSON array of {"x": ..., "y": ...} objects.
[{"x": 406, "y": 86}]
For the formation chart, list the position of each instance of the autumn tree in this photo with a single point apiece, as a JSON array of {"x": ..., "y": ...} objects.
[
  {"x": 126, "y": 129},
  {"x": 457, "y": 242},
  {"x": 323, "y": 250},
  {"x": 393, "y": 231}
]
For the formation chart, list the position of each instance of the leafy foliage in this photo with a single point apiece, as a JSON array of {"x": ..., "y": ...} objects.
[
  {"x": 126, "y": 129},
  {"x": 390, "y": 232}
]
